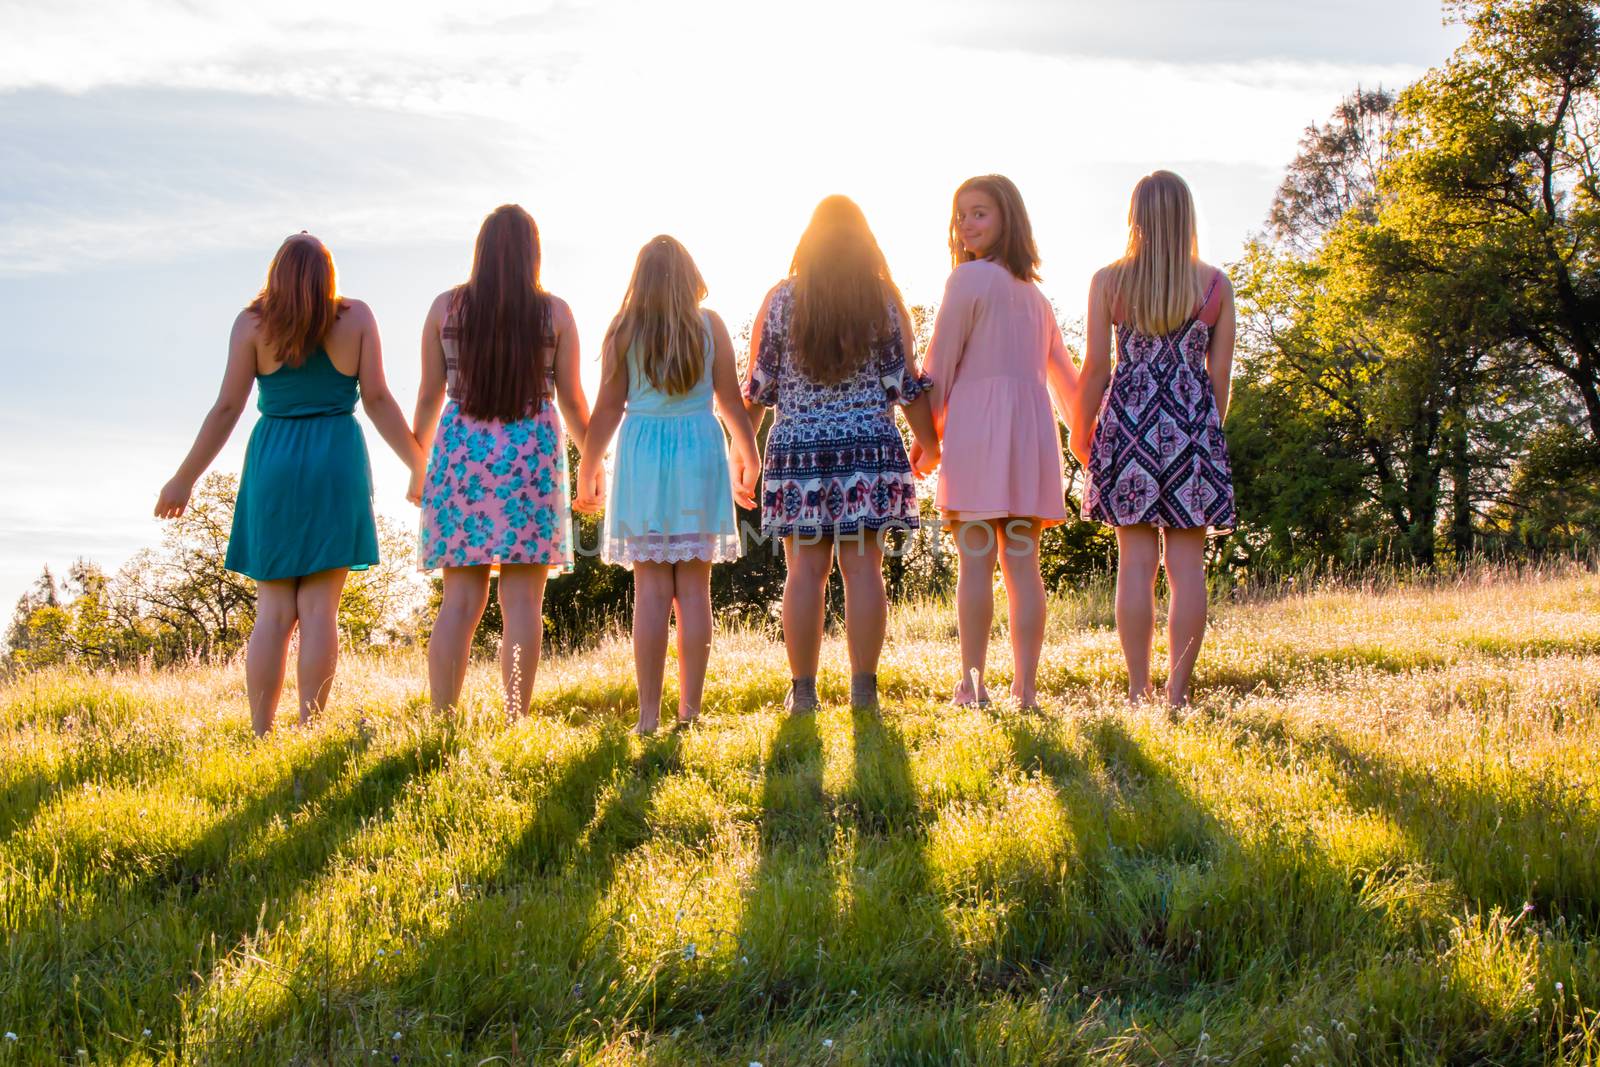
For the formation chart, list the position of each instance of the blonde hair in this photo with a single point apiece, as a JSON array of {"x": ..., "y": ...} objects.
[
  {"x": 845, "y": 300},
  {"x": 661, "y": 314},
  {"x": 1155, "y": 284}
]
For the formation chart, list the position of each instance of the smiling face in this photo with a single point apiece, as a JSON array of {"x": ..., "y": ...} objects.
[{"x": 979, "y": 222}]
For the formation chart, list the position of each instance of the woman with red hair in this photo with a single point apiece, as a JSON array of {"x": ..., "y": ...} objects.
[{"x": 303, "y": 518}]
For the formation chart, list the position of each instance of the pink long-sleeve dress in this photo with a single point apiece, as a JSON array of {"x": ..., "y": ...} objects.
[{"x": 992, "y": 342}]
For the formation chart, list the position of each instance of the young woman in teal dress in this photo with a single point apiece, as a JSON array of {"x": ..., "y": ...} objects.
[
  {"x": 303, "y": 518},
  {"x": 670, "y": 514}
]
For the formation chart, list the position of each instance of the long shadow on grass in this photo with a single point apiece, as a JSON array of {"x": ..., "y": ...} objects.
[
  {"x": 486, "y": 975},
  {"x": 896, "y": 911},
  {"x": 217, "y": 890},
  {"x": 789, "y": 910}
]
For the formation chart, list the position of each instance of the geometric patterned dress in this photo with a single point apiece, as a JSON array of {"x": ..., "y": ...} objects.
[{"x": 1158, "y": 457}]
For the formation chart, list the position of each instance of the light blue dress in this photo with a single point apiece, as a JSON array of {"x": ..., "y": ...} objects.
[{"x": 671, "y": 496}]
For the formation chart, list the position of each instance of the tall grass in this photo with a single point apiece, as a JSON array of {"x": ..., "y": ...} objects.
[{"x": 1376, "y": 839}]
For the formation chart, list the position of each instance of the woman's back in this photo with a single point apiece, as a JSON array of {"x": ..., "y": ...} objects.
[{"x": 645, "y": 399}]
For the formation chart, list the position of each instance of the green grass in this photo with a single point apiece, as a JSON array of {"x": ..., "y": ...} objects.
[{"x": 1376, "y": 839}]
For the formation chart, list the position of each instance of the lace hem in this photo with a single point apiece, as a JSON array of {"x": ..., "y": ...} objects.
[{"x": 672, "y": 548}]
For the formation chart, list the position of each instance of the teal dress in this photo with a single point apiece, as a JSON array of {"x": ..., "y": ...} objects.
[
  {"x": 305, "y": 498},
  {"x": 671, "y": 496}
]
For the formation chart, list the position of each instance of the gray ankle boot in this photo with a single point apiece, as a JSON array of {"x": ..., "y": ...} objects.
[
  {"x": 802, "y": 696},
  {"x": 864, "y": 691}
]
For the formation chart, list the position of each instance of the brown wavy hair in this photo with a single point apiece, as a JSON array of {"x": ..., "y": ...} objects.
[
  {"x": 504, "y": 321},
  {"x": 1016, "y": 251},
  {"x": 844, "y": 296},
  {"x": 661, "y": 314},
  {"x": 300, "y": 301}
]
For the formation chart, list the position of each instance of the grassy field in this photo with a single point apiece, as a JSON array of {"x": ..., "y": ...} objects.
[{"x": 1375, "y": 840}]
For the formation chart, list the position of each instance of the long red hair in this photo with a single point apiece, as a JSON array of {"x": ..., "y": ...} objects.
[
  {"x": 300, "y": 301},
  {"x": 844, "y": 296},
  {"x": 504, "y": 321}
]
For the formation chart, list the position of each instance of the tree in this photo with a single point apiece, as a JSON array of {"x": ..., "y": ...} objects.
[{"x": 1496, "y": 176}]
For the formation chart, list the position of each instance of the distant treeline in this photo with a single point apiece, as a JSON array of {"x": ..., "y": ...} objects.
[{"x": 1418, "y": 382}]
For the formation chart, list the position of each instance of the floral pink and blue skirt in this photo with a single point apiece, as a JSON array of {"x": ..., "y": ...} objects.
[{"x": 496, "y": 492}]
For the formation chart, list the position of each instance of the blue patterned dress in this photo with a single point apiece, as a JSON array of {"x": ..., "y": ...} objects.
[
  {"x": 1158, "y": 457},
  {"x": 835, "y": 464}
]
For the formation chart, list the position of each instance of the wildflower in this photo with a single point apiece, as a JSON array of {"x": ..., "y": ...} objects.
[
  {"x": 755, "y": 1063},
  {"x": 1526, "y": 907},
  {"x": 395, "y": 1036},
  {"x": 744, "y": 959},
  {"x": 688, "y": 951},
  {"x": 1204, "y": 1037},
  {"x": 10, "y": 1036},
  {"x": 147, "y": 1033},
  {"x": 699, "y": 1017},
  {"x": 827, "y": 1042},
  {"x": 1559, "y": 988},
  {"x": 852, "y": 992},
  {"x": 380, "y": 953}
]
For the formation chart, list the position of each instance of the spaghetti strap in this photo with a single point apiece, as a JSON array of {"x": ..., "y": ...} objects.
[{"x": 1212, "y": 304}]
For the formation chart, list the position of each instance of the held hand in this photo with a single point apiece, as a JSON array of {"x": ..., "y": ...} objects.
[
  {"x": 591, "y": 489},
  {"x": 414, "y": 490},
  {"x": 174, "y": 499},
  {"x": 746, "y": 479},
  {"x": 924, "y": 463}
]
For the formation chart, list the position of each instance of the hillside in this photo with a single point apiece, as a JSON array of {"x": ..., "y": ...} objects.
[{"x": 1375, "y": 840}]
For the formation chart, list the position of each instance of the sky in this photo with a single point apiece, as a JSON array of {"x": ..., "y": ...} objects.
[{"x": 154, "y": 153}]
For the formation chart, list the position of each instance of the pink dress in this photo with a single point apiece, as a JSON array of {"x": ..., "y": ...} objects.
[{"x": 992, "y": 340}]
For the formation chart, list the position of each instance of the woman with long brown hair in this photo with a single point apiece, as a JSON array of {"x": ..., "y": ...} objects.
[
  {"x": 303, "y": 516},
  {"x": 500, "y": 349},
  {"x": 833, "y": 350},
  {"x": 1149, "y": 427}
]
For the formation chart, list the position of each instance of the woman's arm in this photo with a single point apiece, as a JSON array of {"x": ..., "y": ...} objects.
[
  {"x": 734, "y": 413},
  {"x": 1061, "y": 376},
  {"x": 609, "y": 404},
  {"x": 431, "y": 390},
  {"x": 237, "y": 378},
  {"x": 760, "y": 381},
  {"x": 952, "y": 326},
  {"x": 569, "y": 380},
  {"x": 1219, "y": 357},
  {"x": 376, "y": 399},
  {"x": 1096, "y": 372}
]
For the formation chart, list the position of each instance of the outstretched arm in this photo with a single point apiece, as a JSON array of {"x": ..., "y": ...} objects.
[
  {"x": 734, "y": 413},
  {"x": 237, "y": 379},
  {"x": 609, "y": 404}
]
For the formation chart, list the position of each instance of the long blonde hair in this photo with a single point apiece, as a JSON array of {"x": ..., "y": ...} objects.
[
  {"x": 843, "y": 293},
  {"x": 1156, "y": 284},
  {"x": 661, "y": 315}
]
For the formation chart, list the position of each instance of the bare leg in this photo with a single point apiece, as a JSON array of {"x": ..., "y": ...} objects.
[
  {"x": 866, "y": 613},
  {"x": 466, "y": 594},
  {"x": 804, "y": 590},
  {"x": 317, "y": 604},
  {"x": 691, "y": 598},
  {"x": 268, "y": 653},
  {"x": 1186, "y": 612},
  {"x": 1138, "y": 555},
  {"x": 977, "y": 545},
  {"x": 522, "y": 640},
  {"x": 1019, "y": 563},
  {"x": 652, "y": 612}
]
